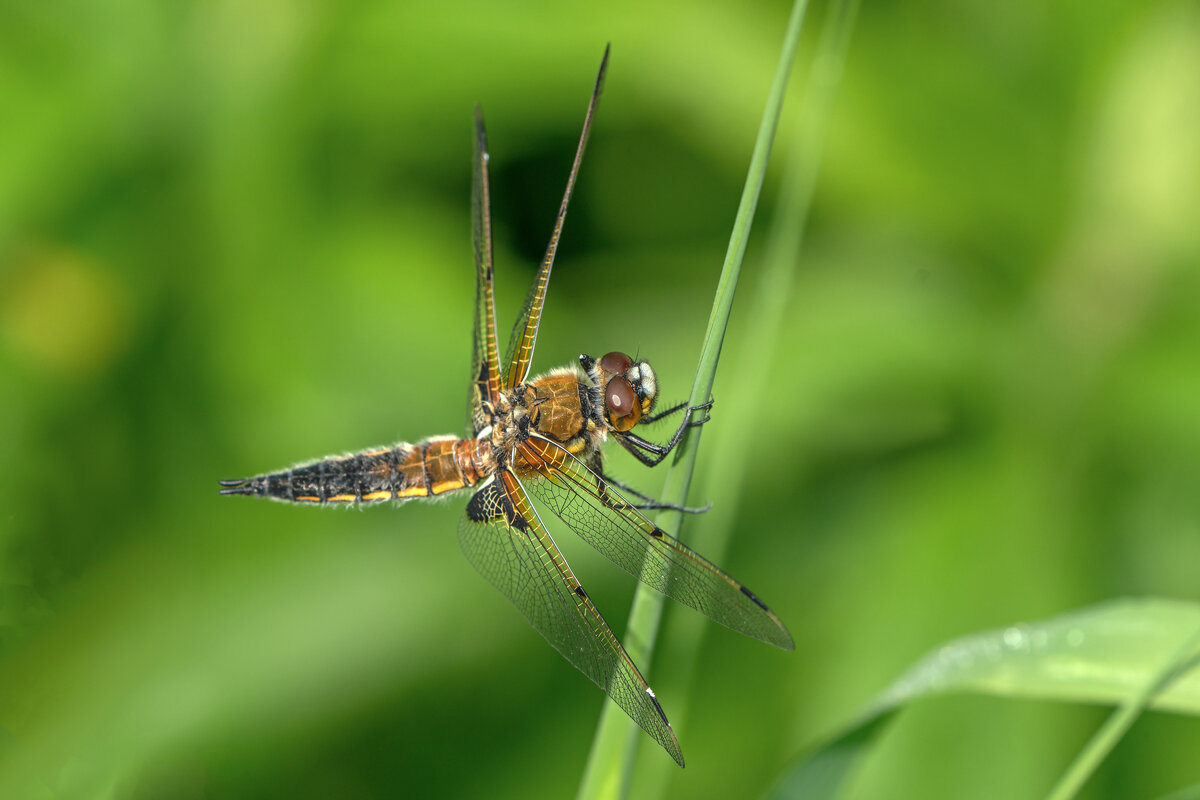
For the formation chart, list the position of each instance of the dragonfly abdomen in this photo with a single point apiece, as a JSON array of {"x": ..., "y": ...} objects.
[{"x": 430, "y": 467}]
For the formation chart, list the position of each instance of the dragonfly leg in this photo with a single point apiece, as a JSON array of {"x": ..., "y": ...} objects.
[
  {"x": 666, "y": 412},
  {"x": 648, "y": 503},
  {"x": 675, "y": 409},
  {"x": 652, "y": 454}
]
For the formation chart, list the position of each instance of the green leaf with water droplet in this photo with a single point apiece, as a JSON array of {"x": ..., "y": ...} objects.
[
  {"x": 1103, "y": 654},
  {"x": 1098, "y": 655}
]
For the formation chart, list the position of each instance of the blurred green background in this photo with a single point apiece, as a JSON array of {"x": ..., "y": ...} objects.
[{"x": 236, "y": 235}]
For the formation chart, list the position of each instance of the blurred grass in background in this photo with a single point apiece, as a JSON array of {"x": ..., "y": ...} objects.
[{"x": 237, "y": 235}]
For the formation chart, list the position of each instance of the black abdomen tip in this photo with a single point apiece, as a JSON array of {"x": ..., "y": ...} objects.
[{"x": 239, "y": 486}]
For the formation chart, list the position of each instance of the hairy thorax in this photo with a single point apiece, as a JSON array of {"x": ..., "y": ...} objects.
[{"x": 553, "y": 406}]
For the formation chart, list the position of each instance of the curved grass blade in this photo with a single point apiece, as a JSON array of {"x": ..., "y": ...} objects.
[
  {"x": 1140, "y": 653},
  {"x": 1105, "y": 739},
  {"x": 827, "y": 767}
]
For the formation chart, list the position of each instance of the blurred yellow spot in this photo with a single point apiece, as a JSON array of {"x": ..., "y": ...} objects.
[{"x": 62, "y": 312}]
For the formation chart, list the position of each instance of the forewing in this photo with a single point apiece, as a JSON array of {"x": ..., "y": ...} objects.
[
  {"x": 524, "y": 335},
  {"x": 516, "y": 554},
  {"x": 606, "y": 521},
  {"x": 485, "y": 370}
]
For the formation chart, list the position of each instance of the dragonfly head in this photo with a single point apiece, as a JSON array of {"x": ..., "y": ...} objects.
[{"x": 629, "y": 387}]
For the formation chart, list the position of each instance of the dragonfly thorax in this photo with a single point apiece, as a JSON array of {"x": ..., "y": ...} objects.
[{"x": 558, "y": 406}]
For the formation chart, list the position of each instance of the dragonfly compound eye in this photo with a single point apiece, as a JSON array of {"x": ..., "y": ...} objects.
[
  {"x": 616, "y": 363},
  {"x": 621, "y": 403}
]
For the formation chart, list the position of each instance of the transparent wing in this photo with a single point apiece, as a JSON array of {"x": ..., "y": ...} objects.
[
  {"x": 606, "y": 521},
  {"x": 485, "y": 370},
  {"x": 505, "y": 540},
  {"x": 524, "y": 335}
]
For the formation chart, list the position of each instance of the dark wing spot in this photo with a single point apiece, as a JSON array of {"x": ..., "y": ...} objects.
[
  {"x": 483, "y": 504},
  {"x": 757, "y": 602},
  {"x": 491, "y": 503},
  {"x": 579, "y": 591},
  {"x": 659, "y": 533},
  {"x": 515, "y": 520}
]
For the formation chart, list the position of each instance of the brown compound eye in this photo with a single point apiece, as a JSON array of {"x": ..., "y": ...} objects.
[
  {"x": 616, "y": 363},
  {"x": 621, "y": 403}
]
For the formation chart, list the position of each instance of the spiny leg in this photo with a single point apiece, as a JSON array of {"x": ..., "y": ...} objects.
[
  {"x": 652, "y": 454},
  {"x": 648, "y": 504},
  {"x": 675, "y": 409}
]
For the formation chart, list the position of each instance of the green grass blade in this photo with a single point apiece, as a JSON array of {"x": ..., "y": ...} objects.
[
  {"x": 730, "y": 448},
  {"x": 826, "y": 770},
  {"x": 1100, "y": 745},
  {"x": 610, "y": 762},
  {"x": 1135, "y": 652}
]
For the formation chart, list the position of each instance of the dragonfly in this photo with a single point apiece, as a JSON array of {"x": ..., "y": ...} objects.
[{"x": 541, "y": 438}]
